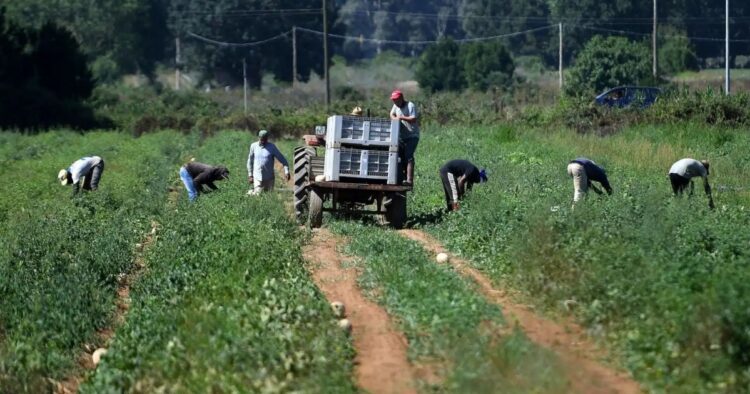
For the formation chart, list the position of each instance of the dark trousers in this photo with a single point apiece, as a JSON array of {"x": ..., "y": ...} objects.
[
  {"x": 91, "y": 179},
  {"x": 679, "y": 184}
]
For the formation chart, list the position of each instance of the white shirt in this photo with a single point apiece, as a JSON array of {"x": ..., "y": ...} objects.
[
  {"x": 689, "y": 168},
  {"x": 260, "y": 161},
  {"x": 409, "y": 109},
  {"x": 82, "y": 166}
]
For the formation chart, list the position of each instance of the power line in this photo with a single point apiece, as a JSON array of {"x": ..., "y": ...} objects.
[
  {"x": 424, "y": 42},
  {"x": 661, "y": 35},
  {"x": 237, "y": 45}
]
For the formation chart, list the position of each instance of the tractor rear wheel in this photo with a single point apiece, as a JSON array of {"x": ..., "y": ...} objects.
[
  {"x": 302, "y": 175},
  {"x": 316, "y": 208}
]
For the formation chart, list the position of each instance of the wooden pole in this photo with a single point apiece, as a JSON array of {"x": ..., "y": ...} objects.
[
  {"x": 294, "y": 56},
  {"x": 653, "y": 45},
  {"x": 560, "y": 56},
  {"x": 325, "y": 53},
  {"x": 244, "y": 84},
  {"x": 177, "y": 64},
  {"x": 726, "y": 48}
]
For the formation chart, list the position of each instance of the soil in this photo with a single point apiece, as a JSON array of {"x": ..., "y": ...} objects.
[
  {"x": 381, "y": 364},
  {"x": 579, "y": 355}
]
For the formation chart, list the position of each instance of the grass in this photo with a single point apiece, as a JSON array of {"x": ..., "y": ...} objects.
[
  {"x": 652, "y": 275},
  {"x": 450, "y": 327},
  {"x": 225, "y": 304}
]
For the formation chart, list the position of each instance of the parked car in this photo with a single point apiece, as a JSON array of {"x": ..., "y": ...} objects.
[{"x": 628, "y": 96}]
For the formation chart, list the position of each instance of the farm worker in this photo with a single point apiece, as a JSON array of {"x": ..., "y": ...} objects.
[
  {"x": 583, "y": 171},
  {"x": 682, "y": 172},
  {"x": 459, "y": 176},
  {"x": 406, "y": 113},
  {"x": 260, "y": 164},
  {"x": 89, "y": 169},
  {"x": 194, "y": 175}
]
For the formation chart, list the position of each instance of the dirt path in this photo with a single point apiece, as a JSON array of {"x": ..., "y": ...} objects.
[
  {"x": 569, "y": 341},
  {"x": 381, "y": 361}
]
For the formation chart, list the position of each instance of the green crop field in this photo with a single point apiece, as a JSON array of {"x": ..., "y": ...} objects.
[{"x": 225, "y": 304}]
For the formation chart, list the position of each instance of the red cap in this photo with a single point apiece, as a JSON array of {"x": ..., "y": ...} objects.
[{"x": 396, "y": 95}]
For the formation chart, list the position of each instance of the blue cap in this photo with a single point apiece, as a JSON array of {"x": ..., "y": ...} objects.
[{"x": 482, "y": 175}]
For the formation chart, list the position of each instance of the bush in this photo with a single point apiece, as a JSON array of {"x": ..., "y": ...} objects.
[
  {"x": 677, "y": 54},
  {"x": 487, "y": 65},
  {"x": 440, "y": 67},
  {"x": 609, "y": 62}
]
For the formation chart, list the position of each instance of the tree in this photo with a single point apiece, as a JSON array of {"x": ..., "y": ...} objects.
[
  {"x": 487, "y": 65},
  {"x": 676, "y": 52},
  {"x": 440, "y": 67},
  {"x": 609, "y": 62},
  {"x": 246, "y": 21}
]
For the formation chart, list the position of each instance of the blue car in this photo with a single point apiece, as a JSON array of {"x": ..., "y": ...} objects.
[{"x": 627, "y": 96}]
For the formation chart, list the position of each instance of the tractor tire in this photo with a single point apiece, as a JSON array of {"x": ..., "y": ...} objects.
[
  {"x": 316, "y": 209},
  {"x": 395, "y": 210},
  {"x": 302, "y": 159}
]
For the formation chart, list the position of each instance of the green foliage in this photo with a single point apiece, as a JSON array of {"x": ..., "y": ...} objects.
[
  {"x": 441, "y": 68},
  {"x": 677, "y": 54},
  {"x": 678, "y": 324},
  {"x": 60, "y": 257},
  {"x": 226, "y": 303},
  {"x": 447, "y": 323},
  {"x": 487, "y": 65},
  {"x": 43, "y": 78},
  {"x": 606, "y": 63}
]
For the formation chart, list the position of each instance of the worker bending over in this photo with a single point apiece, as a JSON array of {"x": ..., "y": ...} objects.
[
  {"x": 195, "y": 175},
  {"x": 583, "y": 171},
  {"x": 260, "y": 164},
  {"x": 89, "y": 169},
  {"x": 459, "y": 176},
  {"x": 406, "y": 113},
  {"x": 682, "y": 173}
]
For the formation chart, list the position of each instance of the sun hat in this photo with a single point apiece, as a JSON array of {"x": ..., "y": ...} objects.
[
  {"x": 357, "y": 111},
  {"x": 482, "y": 176},
  {"x": 263, "y": 133},
  {"x": 396, "y": 95},
  {"x": 62, "y": 176}
]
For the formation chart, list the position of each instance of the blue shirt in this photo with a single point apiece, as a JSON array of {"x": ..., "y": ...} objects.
[{"x": 260, "y": 161}]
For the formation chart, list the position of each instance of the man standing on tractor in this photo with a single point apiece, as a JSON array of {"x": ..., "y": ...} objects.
[
  {"x": 682, "y": 173},
  {"x": 406, "y": 112},
  {"x": 583, "y": 171},
  {"x": 459, "y": 176},
  {"x": 89, "y": 169},
  {"x": 260, "y": 164}
]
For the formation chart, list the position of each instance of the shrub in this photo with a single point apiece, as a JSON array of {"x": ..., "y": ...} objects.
[
  {"x": 487, "y": 65},
  {"x": 440, "y": 67},
  {"x": 609, "y": 62},
  {"x": 677, "y": 54}
]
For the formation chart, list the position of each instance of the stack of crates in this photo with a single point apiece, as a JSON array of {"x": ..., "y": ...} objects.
[{"x": 362, "y": 148}]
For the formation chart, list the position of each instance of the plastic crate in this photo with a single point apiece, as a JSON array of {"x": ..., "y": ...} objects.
[
  {"x": 361, "y": 131},
  {"x": 361, "y": 164}
]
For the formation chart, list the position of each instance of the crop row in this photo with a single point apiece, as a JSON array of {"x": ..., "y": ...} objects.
[
  {"x": 225, "y": 304},
  {"x": 664, "y": 280},
  {"x": 60, "y": 256},
  {"x": 451, "y": 329}
]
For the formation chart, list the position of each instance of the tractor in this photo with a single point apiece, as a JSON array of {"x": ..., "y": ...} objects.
[{"x": 351, "y": 165}]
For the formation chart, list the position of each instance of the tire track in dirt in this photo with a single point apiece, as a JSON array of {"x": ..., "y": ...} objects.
[
  {"x": 381, "y": 364},
  {"x": 568, "y": 341}
]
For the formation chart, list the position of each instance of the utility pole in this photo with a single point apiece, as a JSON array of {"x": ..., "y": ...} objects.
[
  {"x": 325, "y": 53},
  {"x": 560, "y": 56},
  {"x": 726, "y": 48},
  {"x": 653, "y": 38},
  {"x": 294, "y": 56},
  {"x": 177, "y": 64},
  {"x": 244, "y": 83}
]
